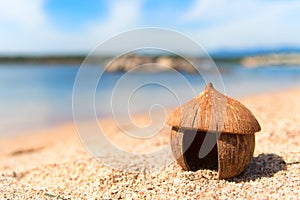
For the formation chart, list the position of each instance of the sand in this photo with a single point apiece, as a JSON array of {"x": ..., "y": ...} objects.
[{"x": 54, "y": 164}]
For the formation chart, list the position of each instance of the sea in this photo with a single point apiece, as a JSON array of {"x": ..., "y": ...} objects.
[{"x": 34, "y": 97}]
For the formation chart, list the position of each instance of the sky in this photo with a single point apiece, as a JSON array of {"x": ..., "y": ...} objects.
[{"x": 77, "y": 26}]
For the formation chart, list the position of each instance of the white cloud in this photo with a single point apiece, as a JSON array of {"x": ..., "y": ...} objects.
[
  {"x": 22, "y": 13},
  {"x": 26, "y": 28},
  {"x": 245, "y": 23},
  {"x": 19, "y": 21},
  {"x": 123, "y": 15},
  {"x": 221, "y": 10}
]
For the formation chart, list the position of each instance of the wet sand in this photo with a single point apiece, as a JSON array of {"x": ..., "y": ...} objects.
[{"x": 54, "y": 164}]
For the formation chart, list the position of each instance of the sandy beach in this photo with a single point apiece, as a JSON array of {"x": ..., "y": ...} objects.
[{"x": 54, "y": 164}]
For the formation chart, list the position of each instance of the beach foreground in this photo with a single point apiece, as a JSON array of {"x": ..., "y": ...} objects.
[{"x": 54, "y": 163}]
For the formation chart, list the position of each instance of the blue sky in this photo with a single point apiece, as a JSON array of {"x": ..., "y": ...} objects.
[{"x": 72, "y": 26}]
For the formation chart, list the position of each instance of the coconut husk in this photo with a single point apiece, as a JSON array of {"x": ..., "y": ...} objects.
[
  {"x": 214, "y": 112},
  {"x": 230, "y": 156}
]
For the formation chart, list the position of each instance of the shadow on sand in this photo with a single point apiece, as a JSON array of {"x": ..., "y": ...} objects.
[{"x": 264, "y": 165}]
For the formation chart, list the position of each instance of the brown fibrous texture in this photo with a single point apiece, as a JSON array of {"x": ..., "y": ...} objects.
[
  {"x": 230, "y": 155},
  {"x": 215, "y": 112}
]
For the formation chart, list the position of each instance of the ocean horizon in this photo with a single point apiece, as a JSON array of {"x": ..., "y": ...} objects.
[{"x": 39, "y": 96}]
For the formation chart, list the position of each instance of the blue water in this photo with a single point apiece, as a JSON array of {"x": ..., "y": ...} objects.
[{"x": 34, "y": 97}]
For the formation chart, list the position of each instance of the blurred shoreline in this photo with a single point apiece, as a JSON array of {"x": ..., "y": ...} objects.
[
  {"x": 46, "y": 91},
  {"x": 140, "y": 117},
  {"x": 159, "y": 63}
]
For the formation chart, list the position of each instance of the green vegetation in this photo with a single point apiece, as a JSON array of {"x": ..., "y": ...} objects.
[
  {"x": 78, "y": 59},
  {"x": 64, "y": 59}
]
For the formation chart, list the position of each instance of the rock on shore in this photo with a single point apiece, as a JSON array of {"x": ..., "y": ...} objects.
[{"x": 150, "y": 64}]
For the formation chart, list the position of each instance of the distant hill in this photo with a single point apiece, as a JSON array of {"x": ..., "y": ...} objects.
[
  {"x": 247, "y": 58},
  {"x": 253, "y": 52},
  {"x": 42, "y": 59},
  {"x": 78, "y": 59}
]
